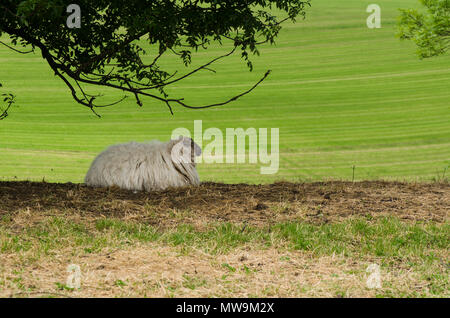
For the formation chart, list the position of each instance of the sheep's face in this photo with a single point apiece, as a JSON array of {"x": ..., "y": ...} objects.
[{"x": 184, "y": 150}]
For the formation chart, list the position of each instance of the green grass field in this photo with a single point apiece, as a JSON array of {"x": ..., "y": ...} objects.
[{"x": 341, "y": 94}]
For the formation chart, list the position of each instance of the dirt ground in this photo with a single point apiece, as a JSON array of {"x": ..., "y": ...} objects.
[
  {"x": 156, "y": 269},
  {"x": 256, "y": 205}
]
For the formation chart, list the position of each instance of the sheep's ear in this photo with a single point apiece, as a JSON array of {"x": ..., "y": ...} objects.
[
  {"x": 184, "y": 149},
  {"x": 189, "y": 143}
]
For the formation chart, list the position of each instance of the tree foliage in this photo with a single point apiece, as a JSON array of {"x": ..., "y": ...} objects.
[
  {"x": 8, "y": 101},
  {"x": 431, "y": 30},
  {"x": 108, "y": 50}
]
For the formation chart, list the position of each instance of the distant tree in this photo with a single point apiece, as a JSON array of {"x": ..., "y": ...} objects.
[
  {"x": 431, "y": 30},
  {"x": 106, "y": 51}
]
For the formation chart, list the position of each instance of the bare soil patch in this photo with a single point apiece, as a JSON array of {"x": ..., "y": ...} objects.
[{"x": 256, "y": 205}]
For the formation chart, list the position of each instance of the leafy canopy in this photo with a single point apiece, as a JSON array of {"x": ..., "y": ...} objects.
[
  {"x": 108, "y": 48},
  {"x": 431, "y": 30}
]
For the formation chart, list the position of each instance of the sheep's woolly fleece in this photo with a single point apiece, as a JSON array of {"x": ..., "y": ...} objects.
[{"x": 146, "y": 166}]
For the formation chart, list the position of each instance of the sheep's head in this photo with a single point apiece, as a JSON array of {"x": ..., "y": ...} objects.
[{"x": 184, "y": 150}]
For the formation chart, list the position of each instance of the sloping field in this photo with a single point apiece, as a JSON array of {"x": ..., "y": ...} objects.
[{"x": 342, "y": 95}]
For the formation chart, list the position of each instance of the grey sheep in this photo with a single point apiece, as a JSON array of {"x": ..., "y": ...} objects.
[{"x": 146, "y": 166}]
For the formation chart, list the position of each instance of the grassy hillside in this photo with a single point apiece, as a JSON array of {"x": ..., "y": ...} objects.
[{"x": 341, "y": 94}]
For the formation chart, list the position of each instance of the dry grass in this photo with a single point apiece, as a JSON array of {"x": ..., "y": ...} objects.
[
  {"x": 160, "y": 271},
  {"x": 280, "y": 240}
]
